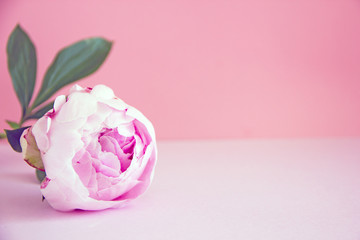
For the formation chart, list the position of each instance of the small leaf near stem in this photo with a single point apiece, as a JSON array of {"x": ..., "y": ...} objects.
[{"x": 13, "y": 124}]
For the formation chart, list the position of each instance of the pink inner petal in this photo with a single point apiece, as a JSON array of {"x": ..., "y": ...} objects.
[
  {"x": 83, "y": 166},
  {"x": 108, "y": 144},
  {"x": 105, "y": 157},
  {"x": 128, "y": 145},
  {"x": 110, "y": 164}
]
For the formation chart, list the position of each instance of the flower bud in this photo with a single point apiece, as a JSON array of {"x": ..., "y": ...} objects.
[{"x": 30, "y": 150}]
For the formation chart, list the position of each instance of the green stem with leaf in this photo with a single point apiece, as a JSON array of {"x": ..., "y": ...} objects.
[{"x": 71, "y": 64}]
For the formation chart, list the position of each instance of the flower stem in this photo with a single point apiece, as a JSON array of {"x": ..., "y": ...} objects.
[{"x": 2, "y": 135}]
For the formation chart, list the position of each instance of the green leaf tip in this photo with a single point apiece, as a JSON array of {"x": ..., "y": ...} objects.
[{"x": 2, "y": 135}]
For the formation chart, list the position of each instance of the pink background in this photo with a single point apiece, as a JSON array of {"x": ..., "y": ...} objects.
[{"x": 210, "y": 69}]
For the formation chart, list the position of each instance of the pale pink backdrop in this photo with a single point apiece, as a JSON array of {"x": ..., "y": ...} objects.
[{"x": 210, "y": 69}]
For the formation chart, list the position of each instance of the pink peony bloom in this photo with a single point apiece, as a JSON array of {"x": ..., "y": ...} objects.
[{"x": 97, "y": 151}]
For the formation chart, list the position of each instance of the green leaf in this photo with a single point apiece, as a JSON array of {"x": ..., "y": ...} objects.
[
  {"x": 22, "y": 65},
  {"x": 12, "y": 124},
  {"x": 38, "y": 114},
  {"x": 13, "y": 137},
  {"x": 71, "y": 64},
  {"x": 40, "y": 175}
]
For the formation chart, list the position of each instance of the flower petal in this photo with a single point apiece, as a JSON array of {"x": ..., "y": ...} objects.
[
  {"x": 79, "y": 105},
  {"x": 102, "y": 92}
]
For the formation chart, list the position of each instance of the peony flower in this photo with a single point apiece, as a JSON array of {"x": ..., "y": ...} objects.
[{"x": 97, "y": 151}]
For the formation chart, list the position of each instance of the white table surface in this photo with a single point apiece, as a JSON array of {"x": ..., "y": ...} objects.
[{"x": 246, "y": 189}]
